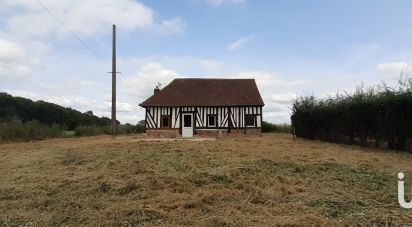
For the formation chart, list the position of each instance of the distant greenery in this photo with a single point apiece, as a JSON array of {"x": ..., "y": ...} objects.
[
  {"x": 279, "y": 128},
  {"x": 23, "y": 119}
]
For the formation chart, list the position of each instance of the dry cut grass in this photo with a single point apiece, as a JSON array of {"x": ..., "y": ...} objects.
[{"x": 266, "y": 180}]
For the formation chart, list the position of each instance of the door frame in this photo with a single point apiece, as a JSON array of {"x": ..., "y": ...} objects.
[{"x": 193, "y": 121}]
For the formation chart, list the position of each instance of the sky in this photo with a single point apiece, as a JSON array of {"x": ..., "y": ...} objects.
[{"x": 292, "y": 48}]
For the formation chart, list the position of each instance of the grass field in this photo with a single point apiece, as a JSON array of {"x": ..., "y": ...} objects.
[{"x": 264, "y": 180}]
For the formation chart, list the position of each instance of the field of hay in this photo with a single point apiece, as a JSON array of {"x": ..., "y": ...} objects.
[{"x": 264, "y": 180}]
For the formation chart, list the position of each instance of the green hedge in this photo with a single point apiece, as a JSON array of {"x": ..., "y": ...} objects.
[{"x": 378, "y": 115}]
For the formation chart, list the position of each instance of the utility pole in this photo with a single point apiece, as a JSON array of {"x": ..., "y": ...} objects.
[{"x": 114, "y": 122}]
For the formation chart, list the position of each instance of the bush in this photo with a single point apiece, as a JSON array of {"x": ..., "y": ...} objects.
[{"x": 140, "y": 127}]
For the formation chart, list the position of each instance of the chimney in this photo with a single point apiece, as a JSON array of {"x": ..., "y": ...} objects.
[{"x": 156, "y": 90}]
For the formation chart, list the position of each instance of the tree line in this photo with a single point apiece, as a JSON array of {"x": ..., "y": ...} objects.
[
  {"x": 379, "y": 116},
  {"x": 46, "y": 113},
  {"x": 24, "y": 119}
]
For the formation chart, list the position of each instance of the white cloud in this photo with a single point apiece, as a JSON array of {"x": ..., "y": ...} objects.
[
  {"x": 395, "y": 67},
  {"x": 9, "y": 50},
  {"x": 11, "y": 71},
  {"x": 270, "y": 81},
  {"x": 238, "y": 43},
  {"x": 71, "y": 85},
  {"x": 84, "y": 18},
  {"x": 12, "y": 66},
  {"x": 220, "y": 2},
  {"x": 210, "y": 65},
  {"x": 185, "y": 63},
  {"x": 169, "y": 27},
  {"x": 141, "y": 85},
  {"x": 124, "y": 107},
  {"x": 282, "y": 99}
]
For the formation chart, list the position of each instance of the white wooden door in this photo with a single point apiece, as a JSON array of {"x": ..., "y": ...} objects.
[{"x": 187, "y": 125}]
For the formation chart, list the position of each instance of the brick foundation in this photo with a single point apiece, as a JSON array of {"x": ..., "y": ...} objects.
[
  {"x": 224, "y": 132},
  {"x": 174, "y": 133},
  {"x": 162, "y": 133},
  {"x": 211, "y": 133}
]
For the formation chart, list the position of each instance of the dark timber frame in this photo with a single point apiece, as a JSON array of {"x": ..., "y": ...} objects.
[{"x": 227, "y": 117}]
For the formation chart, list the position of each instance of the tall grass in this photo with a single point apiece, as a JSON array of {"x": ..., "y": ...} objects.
[{"x": 18, "y": 130}]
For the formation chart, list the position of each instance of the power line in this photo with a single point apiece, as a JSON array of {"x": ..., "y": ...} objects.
[{"x": 72, "y": 33}]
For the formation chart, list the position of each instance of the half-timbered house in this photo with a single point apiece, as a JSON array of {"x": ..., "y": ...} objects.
[{"x": 188, "y": 107}]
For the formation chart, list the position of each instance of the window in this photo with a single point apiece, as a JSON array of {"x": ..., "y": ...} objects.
[
  {"x": 211, "y": 120},
  {"x": 187, "y": 120},
  {"x": 165, "y": 120},
  {"x": 250, "y": 120}
]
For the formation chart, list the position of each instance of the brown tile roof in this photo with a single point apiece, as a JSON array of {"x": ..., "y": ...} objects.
[{"x": 207, "y": 92}]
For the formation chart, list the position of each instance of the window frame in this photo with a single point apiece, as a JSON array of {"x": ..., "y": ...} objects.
[
  {"x": 168, "y": 120},
  {"x": 207, "y": 119},
  {"x": 254, "y": 120}
]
